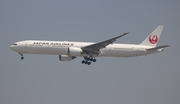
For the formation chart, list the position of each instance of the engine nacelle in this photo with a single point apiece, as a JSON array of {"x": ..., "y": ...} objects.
[
  {"x": 66, "y": 57},
  {"x": 74, "y": 51}
]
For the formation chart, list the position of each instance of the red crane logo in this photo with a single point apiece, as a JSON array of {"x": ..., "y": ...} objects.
[{"x": 153, "y": 39}]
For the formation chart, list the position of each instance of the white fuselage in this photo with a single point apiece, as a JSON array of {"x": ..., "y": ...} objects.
[{"x": 61, "y": 48}]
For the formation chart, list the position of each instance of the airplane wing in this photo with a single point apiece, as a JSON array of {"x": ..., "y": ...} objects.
[
  {"x": 159, "y": 47},
  {"x": 94, "y": 48}
]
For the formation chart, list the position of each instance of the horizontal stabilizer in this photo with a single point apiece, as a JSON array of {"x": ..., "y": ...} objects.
[{"x": 159, "y": 47}]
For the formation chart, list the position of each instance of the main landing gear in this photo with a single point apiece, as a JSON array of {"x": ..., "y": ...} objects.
[
  {"x": 88, "y": 60},
  {"x": 21, "y": 56}
]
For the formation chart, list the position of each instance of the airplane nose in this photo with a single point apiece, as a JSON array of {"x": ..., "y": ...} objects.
[{"x": 11, "y": 47}]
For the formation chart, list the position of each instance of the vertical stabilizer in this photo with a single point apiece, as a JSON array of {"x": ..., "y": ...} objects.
[{"x": 153, "y": 38}]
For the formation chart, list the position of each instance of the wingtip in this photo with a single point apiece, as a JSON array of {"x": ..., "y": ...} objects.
[
  {"x": 127, "y": 33},
  {"x": 124, "y": 34},
  {"x": 168, "y": 45}
]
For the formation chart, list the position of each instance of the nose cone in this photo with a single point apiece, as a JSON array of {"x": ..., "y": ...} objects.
[{"x": 13, "y": 46}]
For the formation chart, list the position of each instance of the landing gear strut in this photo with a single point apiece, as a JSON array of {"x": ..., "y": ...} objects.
[
  {"x": 21, "y": 56},
  {"x": 88, "y": 60}
]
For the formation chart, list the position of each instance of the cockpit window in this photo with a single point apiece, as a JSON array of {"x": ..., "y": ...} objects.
[{"x": 14, "y": 44}]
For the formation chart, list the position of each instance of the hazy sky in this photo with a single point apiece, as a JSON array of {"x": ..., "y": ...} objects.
[{"x": 43, "y": 79}]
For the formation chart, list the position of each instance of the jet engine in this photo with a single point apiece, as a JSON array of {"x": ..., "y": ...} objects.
[{"x": 66, "y": 57}]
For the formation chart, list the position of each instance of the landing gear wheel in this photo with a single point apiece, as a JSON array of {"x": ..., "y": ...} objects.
[
  {"x": 83, "y": 62},
  {"x": 94, "y": 60},
  {"x": 91, "y": 59},
  {"x": 86, "y": 62},
  {"x": 88, "y": 59},
  {"x": 22, "y": 58},
  {"x": 89, "y": 63}
]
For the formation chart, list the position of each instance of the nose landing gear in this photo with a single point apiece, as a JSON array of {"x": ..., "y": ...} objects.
[{"x": 21, "y": 56}]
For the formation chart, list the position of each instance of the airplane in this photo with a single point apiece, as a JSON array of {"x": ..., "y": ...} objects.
[{"x": 68, "y": 50}]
